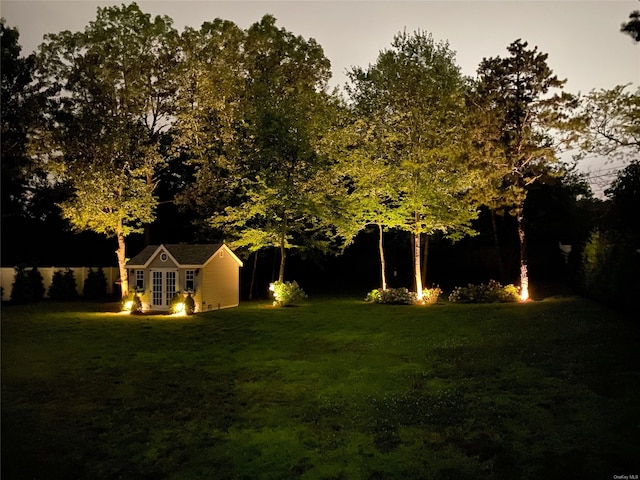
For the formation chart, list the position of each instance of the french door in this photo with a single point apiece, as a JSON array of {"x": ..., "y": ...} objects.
[{"x": 163, "y": 287}]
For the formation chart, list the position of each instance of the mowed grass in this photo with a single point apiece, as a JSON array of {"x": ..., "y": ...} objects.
[{"x": 332, "y": 389}]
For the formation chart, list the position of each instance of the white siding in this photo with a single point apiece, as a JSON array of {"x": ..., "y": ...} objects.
[{"x": 220, "y": 283}]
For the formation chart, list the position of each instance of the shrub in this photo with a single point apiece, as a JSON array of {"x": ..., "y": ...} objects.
[
  {"x": 95, "y": 286},
  {"x": 394, "y": 296},
  {"x": 27, "y": 286},
  {"x": 609, "y": 267},
  {"x": 63, "y": 285},
  {"x": 21, "y": 291},
  {"x": 182, "y": 304},
  {"x": 286, "y": 293},
  {"x": 132, "y": 303},
  {"x": 491, "y": 292},
  {"x": 374, "y": 296},
  {"x": 37, "y": 284},
  {"x": 510, "y": 293},
  {"x": 189, "y": 304},
  {"x": 176, "y": 305},
  {"x": 430, "y": 295}
]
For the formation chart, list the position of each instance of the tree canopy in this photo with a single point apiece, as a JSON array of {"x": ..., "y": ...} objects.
[
  {"x": 109, "y": 102},
  {"x": 19, "y": 112},
  {"x": 241, "y": 127},
  {"x": 264, "y": 122},
  {"x": 517, "y": 115},
  {"x": 412, "y": 101}
]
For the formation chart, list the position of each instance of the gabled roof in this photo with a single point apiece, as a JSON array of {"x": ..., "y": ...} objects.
[{"x": 183, "y": 254}]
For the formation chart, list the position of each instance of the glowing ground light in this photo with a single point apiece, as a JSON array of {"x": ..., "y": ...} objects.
[
  {"x": 128, "y": 305},
  {"x": 524, "y": 283},
  {"x": 179, "y": 309},
  {"x": 524, "y": 289}
]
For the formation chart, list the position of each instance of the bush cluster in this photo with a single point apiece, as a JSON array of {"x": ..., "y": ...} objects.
[
  {"x": 132, "y": 303},
  {"x": 286, "y": 293},
  {"x": 610, "y": 264},
  {"x": 430, "y": 295},
  {"x": 491, "y": 292},
  {"x": 394, "y": 296},
  {"x": 63, "y": 286},
  {"x": 182, "y": 303},
  {"x": 402, "y": 296},
  {"x": 189, "y": 304}
]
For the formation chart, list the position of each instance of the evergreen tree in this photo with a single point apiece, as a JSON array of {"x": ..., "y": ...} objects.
[
  {"x": 63, "y": 286},
  {"x": 516, "y": 117},
  {"x": 21, "y": 289},
  {"x": 37, "y": 284},
  {"x": 27, "y": 286},
  {"x": 95, "y": 285}
]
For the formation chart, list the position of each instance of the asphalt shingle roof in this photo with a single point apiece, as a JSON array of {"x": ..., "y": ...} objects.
[{"x": 185, "y": 254}]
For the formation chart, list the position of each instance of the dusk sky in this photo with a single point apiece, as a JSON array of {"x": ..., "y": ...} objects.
[{"x": 583, "y": 39}]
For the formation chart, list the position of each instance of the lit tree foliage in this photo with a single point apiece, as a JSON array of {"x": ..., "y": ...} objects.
[
  {"x": 413, "y": 99},
  {"x": 110, "y": 92},
  {"x": 516, "y": 121},
  {"x": 209, "y": 114},
  {"x": 365, "y": 189},
  {"x": 276, "y": 169}
]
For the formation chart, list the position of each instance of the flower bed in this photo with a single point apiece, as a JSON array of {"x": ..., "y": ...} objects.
[{"x": 492, "y": 292}]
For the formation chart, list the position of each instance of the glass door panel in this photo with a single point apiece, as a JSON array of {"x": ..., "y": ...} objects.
[
  {"x": 156, "y": 291},
  {"x": 170, "y": 287}
]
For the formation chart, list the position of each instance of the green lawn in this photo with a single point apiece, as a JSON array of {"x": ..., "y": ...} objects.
[{"x": 332, "y": 389}]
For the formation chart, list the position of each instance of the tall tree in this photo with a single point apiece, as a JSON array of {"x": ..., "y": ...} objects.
[
  {"x": 18, "y": 114},
  {"x": 210, "y": 111},
  {"x": 518, "y": 116},
  {"x": 28, "y": 196},
  {"x": 415, "y": 94},
  {"x": 366, "y": 185},
  {"x": 277, "y": 169},
  {"x": 110, "y": 92}
]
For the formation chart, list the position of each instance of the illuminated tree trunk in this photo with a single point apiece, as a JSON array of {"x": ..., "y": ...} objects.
[
  {"x": 524, "y": 274},
  {"x": 383, "y": 274},
  {"x": 122, "y": 261},
  {"x": 416, "y": 265}
]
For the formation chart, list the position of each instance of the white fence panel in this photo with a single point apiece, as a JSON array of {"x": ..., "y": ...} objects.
[{"x": 8, "y": 275}]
